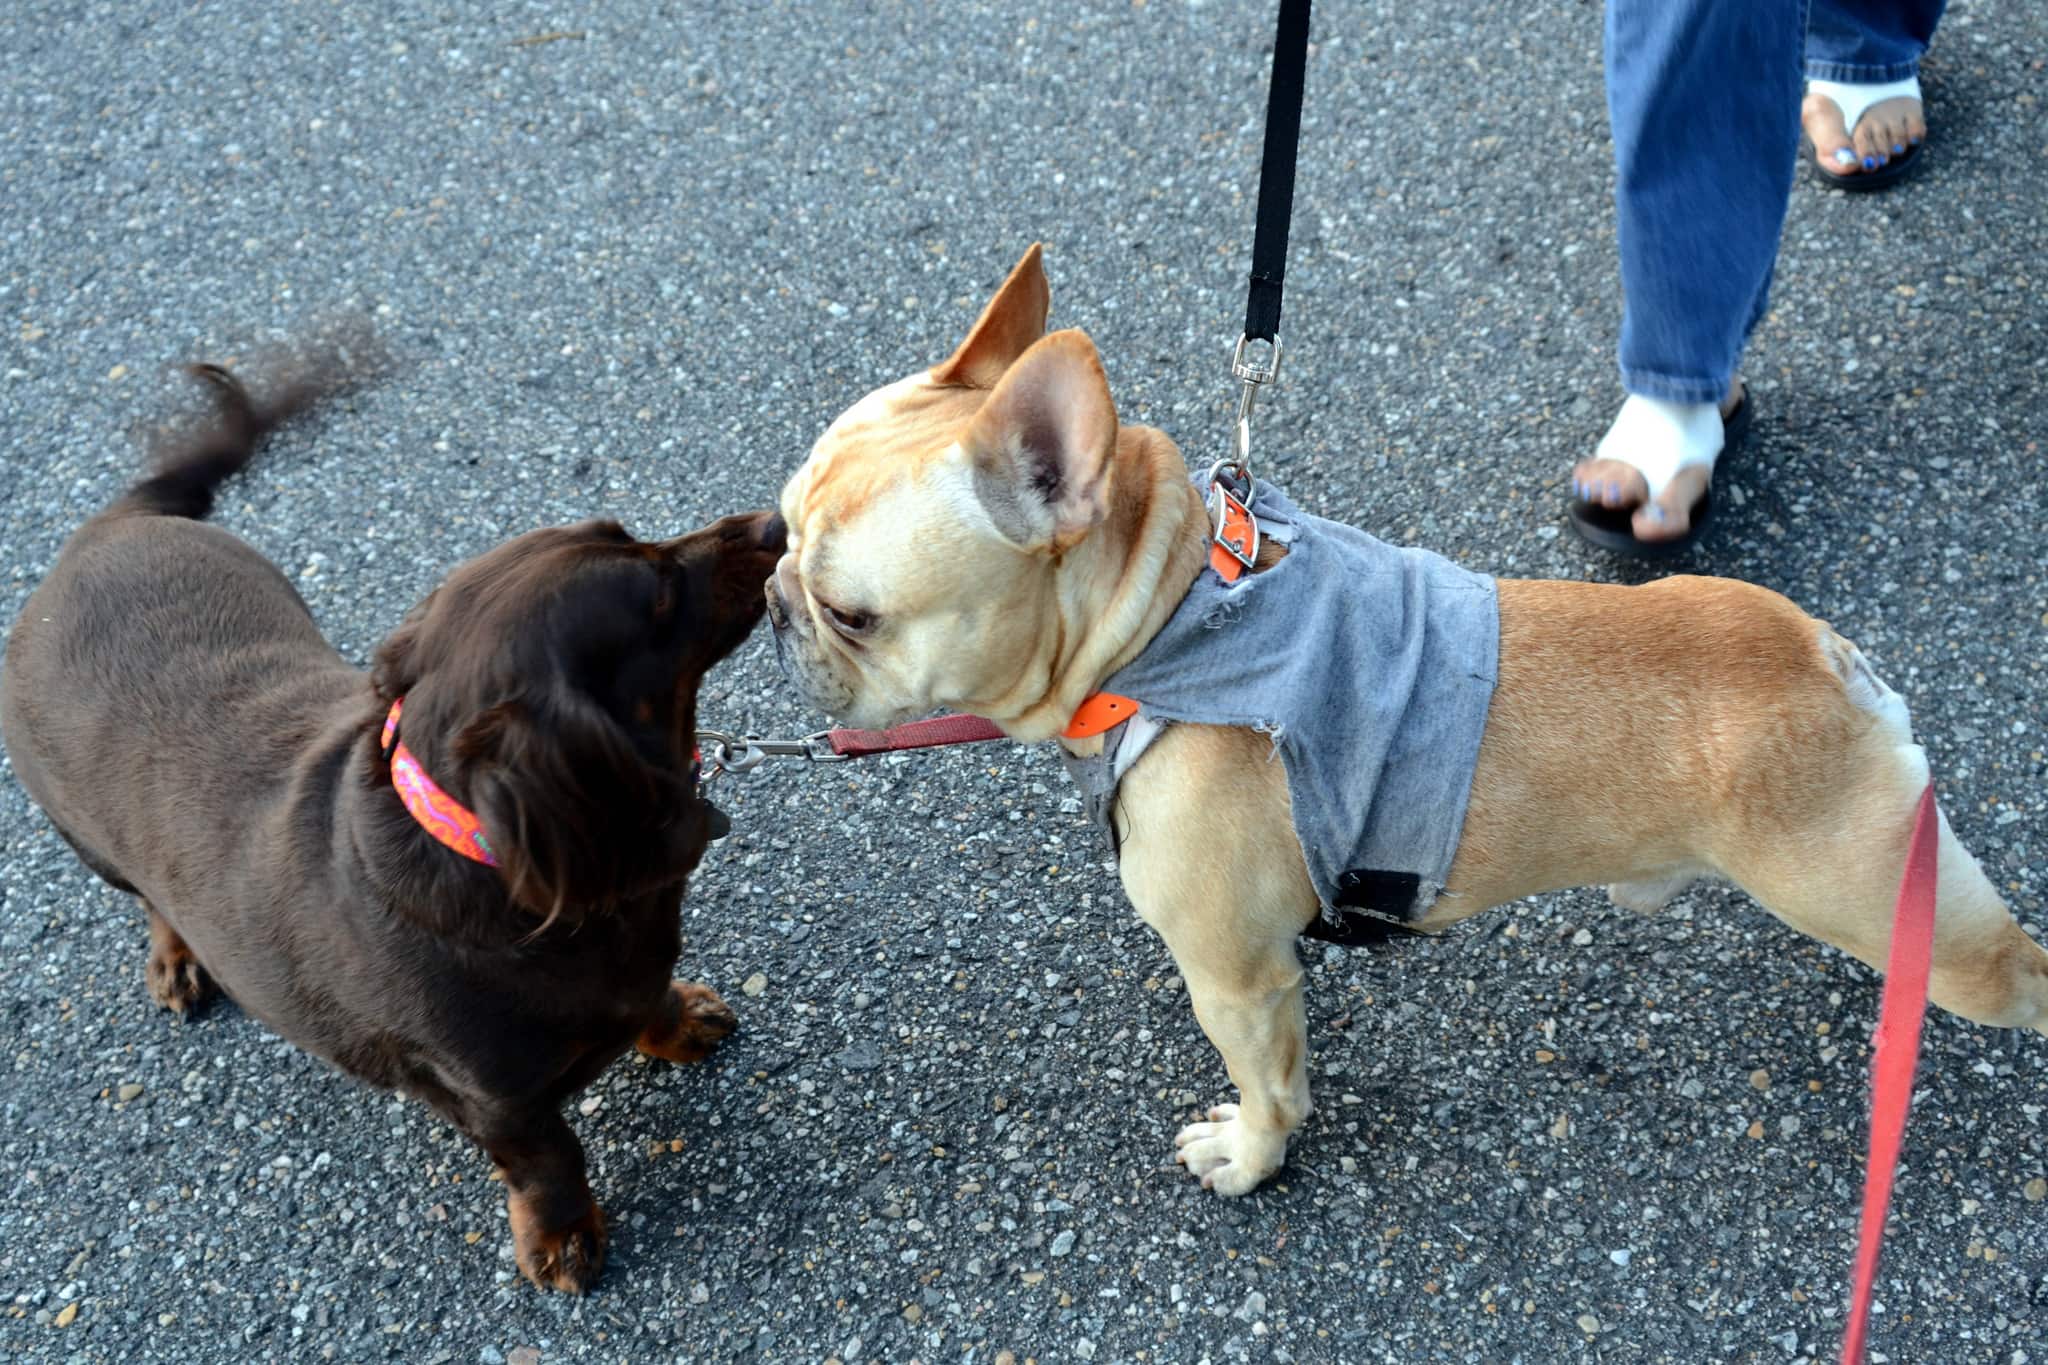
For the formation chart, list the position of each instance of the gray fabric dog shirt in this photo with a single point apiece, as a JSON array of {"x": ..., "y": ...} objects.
[{"x": 1369, "y": 665}]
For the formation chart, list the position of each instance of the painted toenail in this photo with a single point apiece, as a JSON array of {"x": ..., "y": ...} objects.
[
  {"x": 1844, "y": 157},
  {"x": 1897, "y": 150},
  {"x": 1869, "y": 163},
  {"x": 1657, "y": 512},
  {"x": 1613, "y": 490}
]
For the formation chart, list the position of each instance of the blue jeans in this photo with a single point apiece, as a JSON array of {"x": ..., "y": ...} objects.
[{"x": 1703, "y": 96}]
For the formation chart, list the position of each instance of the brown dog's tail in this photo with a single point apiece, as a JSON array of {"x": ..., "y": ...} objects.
[{"x": 191, "y": 461}]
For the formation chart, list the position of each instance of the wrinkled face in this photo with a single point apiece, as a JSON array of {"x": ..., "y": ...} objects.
[
  {"x": 925, "y": 529},
  {"x": 894, "y": 593}
]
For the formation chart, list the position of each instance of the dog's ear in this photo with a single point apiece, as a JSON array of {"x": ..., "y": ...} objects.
[
  {"x": 578, "y": 819},
  {"x": 1012, "y": 321},
  {"x": 1041, "y": 444},
  {"x": 395, "y": 666}
]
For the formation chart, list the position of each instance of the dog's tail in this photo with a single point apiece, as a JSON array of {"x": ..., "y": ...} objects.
[{"x": 189, "y": 461}]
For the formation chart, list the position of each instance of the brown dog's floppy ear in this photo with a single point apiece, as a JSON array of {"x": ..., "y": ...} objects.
[
  {"x": 1041, "y": 444},
  {"x": 1013, "y": 320},
  {"x": 578, "y": 819},
  {"x": 395, "y": 668}
]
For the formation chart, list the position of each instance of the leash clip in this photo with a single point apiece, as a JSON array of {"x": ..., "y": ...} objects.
[
  {"x": 1251, "y": 373},
  {"x": 729, "y": 753}
]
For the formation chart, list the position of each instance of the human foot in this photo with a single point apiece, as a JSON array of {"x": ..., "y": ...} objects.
[
  {"x": 1674, "y": 443},
  {"x": 1858, "y": 131}
]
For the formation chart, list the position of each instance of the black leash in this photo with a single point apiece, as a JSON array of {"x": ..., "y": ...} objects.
[
  {"x": 1269, "y": 234},
  {"x": 1276, "y": 173}
]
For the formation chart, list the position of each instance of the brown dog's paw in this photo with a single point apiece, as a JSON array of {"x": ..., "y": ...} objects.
[
  {"x": 694, "y": 1019},
  {"x": 567, "y": 1257},
  {"x": 176, "y": 980}
]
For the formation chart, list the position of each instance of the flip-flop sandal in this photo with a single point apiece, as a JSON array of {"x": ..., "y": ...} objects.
[
  {"x": 1654, "y": 438},
  {"x": 1854, "y": 101}
]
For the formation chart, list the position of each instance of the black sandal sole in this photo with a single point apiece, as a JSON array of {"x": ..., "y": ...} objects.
[{"x": 1610, "y": 528}]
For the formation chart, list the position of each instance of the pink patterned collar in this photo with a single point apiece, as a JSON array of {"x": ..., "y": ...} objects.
[{"x": 438, "y": 813}]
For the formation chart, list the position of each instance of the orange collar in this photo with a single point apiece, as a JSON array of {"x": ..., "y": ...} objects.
[{"x": 438, "y": 813}]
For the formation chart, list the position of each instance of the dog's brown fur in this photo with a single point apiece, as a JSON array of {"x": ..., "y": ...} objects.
[
  {"x": 1640, "y": 737},
  {"x": 172, "y": 707}
]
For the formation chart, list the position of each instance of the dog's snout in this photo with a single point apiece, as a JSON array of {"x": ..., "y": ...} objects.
[{"x": 775, "y": 534}]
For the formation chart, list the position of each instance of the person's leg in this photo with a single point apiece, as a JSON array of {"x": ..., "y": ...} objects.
[
  {"x": 1704, "y": 100},
  {"x": 1862, "y": 106}
]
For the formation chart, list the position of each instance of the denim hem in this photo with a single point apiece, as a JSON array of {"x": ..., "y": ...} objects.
[
  {"x": 1848, "y": 74},
  {"x": 1672, "y": 388}
]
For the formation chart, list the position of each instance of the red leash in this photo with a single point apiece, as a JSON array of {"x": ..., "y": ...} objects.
[
  {"x": 1895, "y": 1050},
  {"x": 918, "y": 734}
]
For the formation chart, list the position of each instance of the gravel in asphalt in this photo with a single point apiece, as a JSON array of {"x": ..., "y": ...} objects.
[{"x": 630, "y": 259}]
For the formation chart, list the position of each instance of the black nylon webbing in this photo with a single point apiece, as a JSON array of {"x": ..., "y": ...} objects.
[{"x": 1276, "y": 172}]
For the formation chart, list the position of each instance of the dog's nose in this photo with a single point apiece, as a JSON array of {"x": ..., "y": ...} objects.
[{"x": 775, "y": 534}]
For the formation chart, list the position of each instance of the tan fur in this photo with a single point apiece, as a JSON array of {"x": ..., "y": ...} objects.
[{"x": 1638, "y": 736}]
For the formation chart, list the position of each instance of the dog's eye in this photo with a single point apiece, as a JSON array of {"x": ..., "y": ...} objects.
[{"x": 852, "y": 622}]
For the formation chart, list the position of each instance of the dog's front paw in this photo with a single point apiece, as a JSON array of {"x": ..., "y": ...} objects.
[
  {"x": 176, "y": 980},
  {"x": 693, "y": 1021},
  {"x": 1229, "y": 1154},
  {"x": 567, "y": 1256}
]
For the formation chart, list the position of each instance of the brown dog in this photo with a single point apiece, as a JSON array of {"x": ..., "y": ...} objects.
[
  {"x": 172, "y": 707},
  {"x": 984, "y": 536}
]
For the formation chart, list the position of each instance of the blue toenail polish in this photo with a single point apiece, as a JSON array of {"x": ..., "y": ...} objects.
[
  {"x": 1897, "y": 150},
  {"x": 1869, "y": 163},
  {"x": 1656, "y": 512},
  {"x": 1613, "y": 490}
]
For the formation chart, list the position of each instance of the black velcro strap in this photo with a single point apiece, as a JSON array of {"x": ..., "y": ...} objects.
[
  {"x": 1276, "y": 172},
  {"x": 1371, "y": 905}
]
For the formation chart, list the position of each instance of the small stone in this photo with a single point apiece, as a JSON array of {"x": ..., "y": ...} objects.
[
  {"x": 1788, "y": 1342},
  {"x": 1032, "y": 1276},
  {"x": 754, "y": 984},
  {"x": 1582, "y": 938},
  {"x": 1254, "y": 1306},
  {"x": 491, "y": 1355},
  {"x": 523, "y": 1355},
  {"x": 589, "y": 1104},
  {"x": 700, "y": 1292},
  {"x": 1760, "y": 1079},
  {"x": 1006, "y": 1358},
  {"x": 1064, "y": 1243},
  {"x": 1563, "y": 1127},
  {"x": 1620, "y": 1257},
  {"x": 1589, "y": 1324},
  {"x": 1788, "y": 1125},
  {"x": 1756, "y": 1130},
  {"x": 68, "y": 1316},
  {"x": 130, "y": 1091},
  {"x": 2035, "y": 1190},
  {"x": 913, "y": 1314},
  {"x": 118, "y": 373},
  {"x": 1544, "y": 1056}
]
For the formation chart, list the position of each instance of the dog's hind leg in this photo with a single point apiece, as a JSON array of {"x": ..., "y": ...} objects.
[
  {"x": 1834, "y": 874},
  {"x": 176, "y": 978}
]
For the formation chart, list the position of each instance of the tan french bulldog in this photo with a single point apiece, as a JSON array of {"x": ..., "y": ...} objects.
[{"x": 985, "y": 537}]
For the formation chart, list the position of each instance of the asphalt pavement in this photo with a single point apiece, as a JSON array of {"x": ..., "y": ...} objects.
[{"x": 630, "y": 258}]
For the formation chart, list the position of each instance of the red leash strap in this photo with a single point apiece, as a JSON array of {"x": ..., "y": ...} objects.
[
  {"x": 918, "y": 734},
  {"x": 1895, "y": 1050}
]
